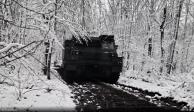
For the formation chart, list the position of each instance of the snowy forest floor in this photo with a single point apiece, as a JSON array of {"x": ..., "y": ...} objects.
[
  {"x": 38, "y": 94},
  {"x": 180, "y": 88}
]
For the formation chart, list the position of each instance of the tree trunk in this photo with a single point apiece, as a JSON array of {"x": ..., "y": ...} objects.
[
  {"x": 49, "y": 59},
  {"x": 46, "y": 57},
  {"x": 151, "y": 11},
  {"x": 55, "y": 24},
  {"x": 172, "y": 47},
  {"x": 49, "y": 63},
  {"x": 162, "y": 38},
  {"x": 150, "y": 47},
  {"x": 184, "y": 55},
  {"x": 83, "y": 15},
  {"x": 188, "y": 45}
]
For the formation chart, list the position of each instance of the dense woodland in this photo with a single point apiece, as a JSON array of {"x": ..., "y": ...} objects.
[{"x": 153, "y": 35}]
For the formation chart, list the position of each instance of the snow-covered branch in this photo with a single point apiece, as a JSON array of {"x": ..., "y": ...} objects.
[{"x": 9, "y": 46}]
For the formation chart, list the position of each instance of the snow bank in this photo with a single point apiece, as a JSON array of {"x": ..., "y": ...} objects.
[
  {"x": 178, "y": 86},
  {"x": 41, "y": 94}
]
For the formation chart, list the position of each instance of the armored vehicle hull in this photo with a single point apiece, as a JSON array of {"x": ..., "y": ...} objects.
[{"x": 95, "y": 59}]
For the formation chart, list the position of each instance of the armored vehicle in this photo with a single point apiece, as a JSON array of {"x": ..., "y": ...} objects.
[{"x": 94, "y": 59}]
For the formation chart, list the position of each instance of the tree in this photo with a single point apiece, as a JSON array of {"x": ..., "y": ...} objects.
[
  {"x": 175, "y": 36},
  {"x": 162, "y": 27}
]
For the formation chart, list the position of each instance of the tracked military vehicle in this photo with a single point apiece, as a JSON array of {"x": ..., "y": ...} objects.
[{"x": 94, "y": 59}]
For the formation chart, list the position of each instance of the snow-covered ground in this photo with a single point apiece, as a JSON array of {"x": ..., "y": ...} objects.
[
  {"x": 179, "y": 86},
  {"x": 36, "y": 93}
]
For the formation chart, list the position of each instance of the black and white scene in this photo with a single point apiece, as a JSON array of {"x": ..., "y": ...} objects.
[{"x": 96, "y": 55}]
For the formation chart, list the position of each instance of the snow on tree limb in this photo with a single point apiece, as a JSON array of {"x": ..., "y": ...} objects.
[
  {"x": 9, "y": 46},
  {"x": 3, "y": 44},
  {"x": 61, "y": 19}
]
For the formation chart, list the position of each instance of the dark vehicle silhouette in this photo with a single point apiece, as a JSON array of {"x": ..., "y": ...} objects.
[{"x": 95, "y": 59}]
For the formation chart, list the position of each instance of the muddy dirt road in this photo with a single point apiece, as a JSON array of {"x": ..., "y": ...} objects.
[{"x": 97, "y": 96}]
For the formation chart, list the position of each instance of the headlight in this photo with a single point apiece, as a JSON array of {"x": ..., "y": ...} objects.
[{"x": 75, "y": 52}]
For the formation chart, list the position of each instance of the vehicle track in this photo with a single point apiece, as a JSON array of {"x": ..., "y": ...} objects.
[{"x": 99, "y": 96}]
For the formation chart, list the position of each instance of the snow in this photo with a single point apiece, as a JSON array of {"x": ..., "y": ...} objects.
[
  {"x": 42, "y": 94},
  {"x": 8, "y": 46},
  {"x": 178, "y": 86}
]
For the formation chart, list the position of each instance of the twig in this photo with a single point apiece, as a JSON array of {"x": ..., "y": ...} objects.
[
  {"x": 37, "y": 11},
  {"x": 33, "y": 90},
  {"x": 18, "y": 57},
  {"x": 11, "y": 23},
  {"x": 8, "y": 78},
  {"x": 18, "y": 49}
]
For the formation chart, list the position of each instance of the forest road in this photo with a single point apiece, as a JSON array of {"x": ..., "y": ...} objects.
[{"x": 90, "y": 96}]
